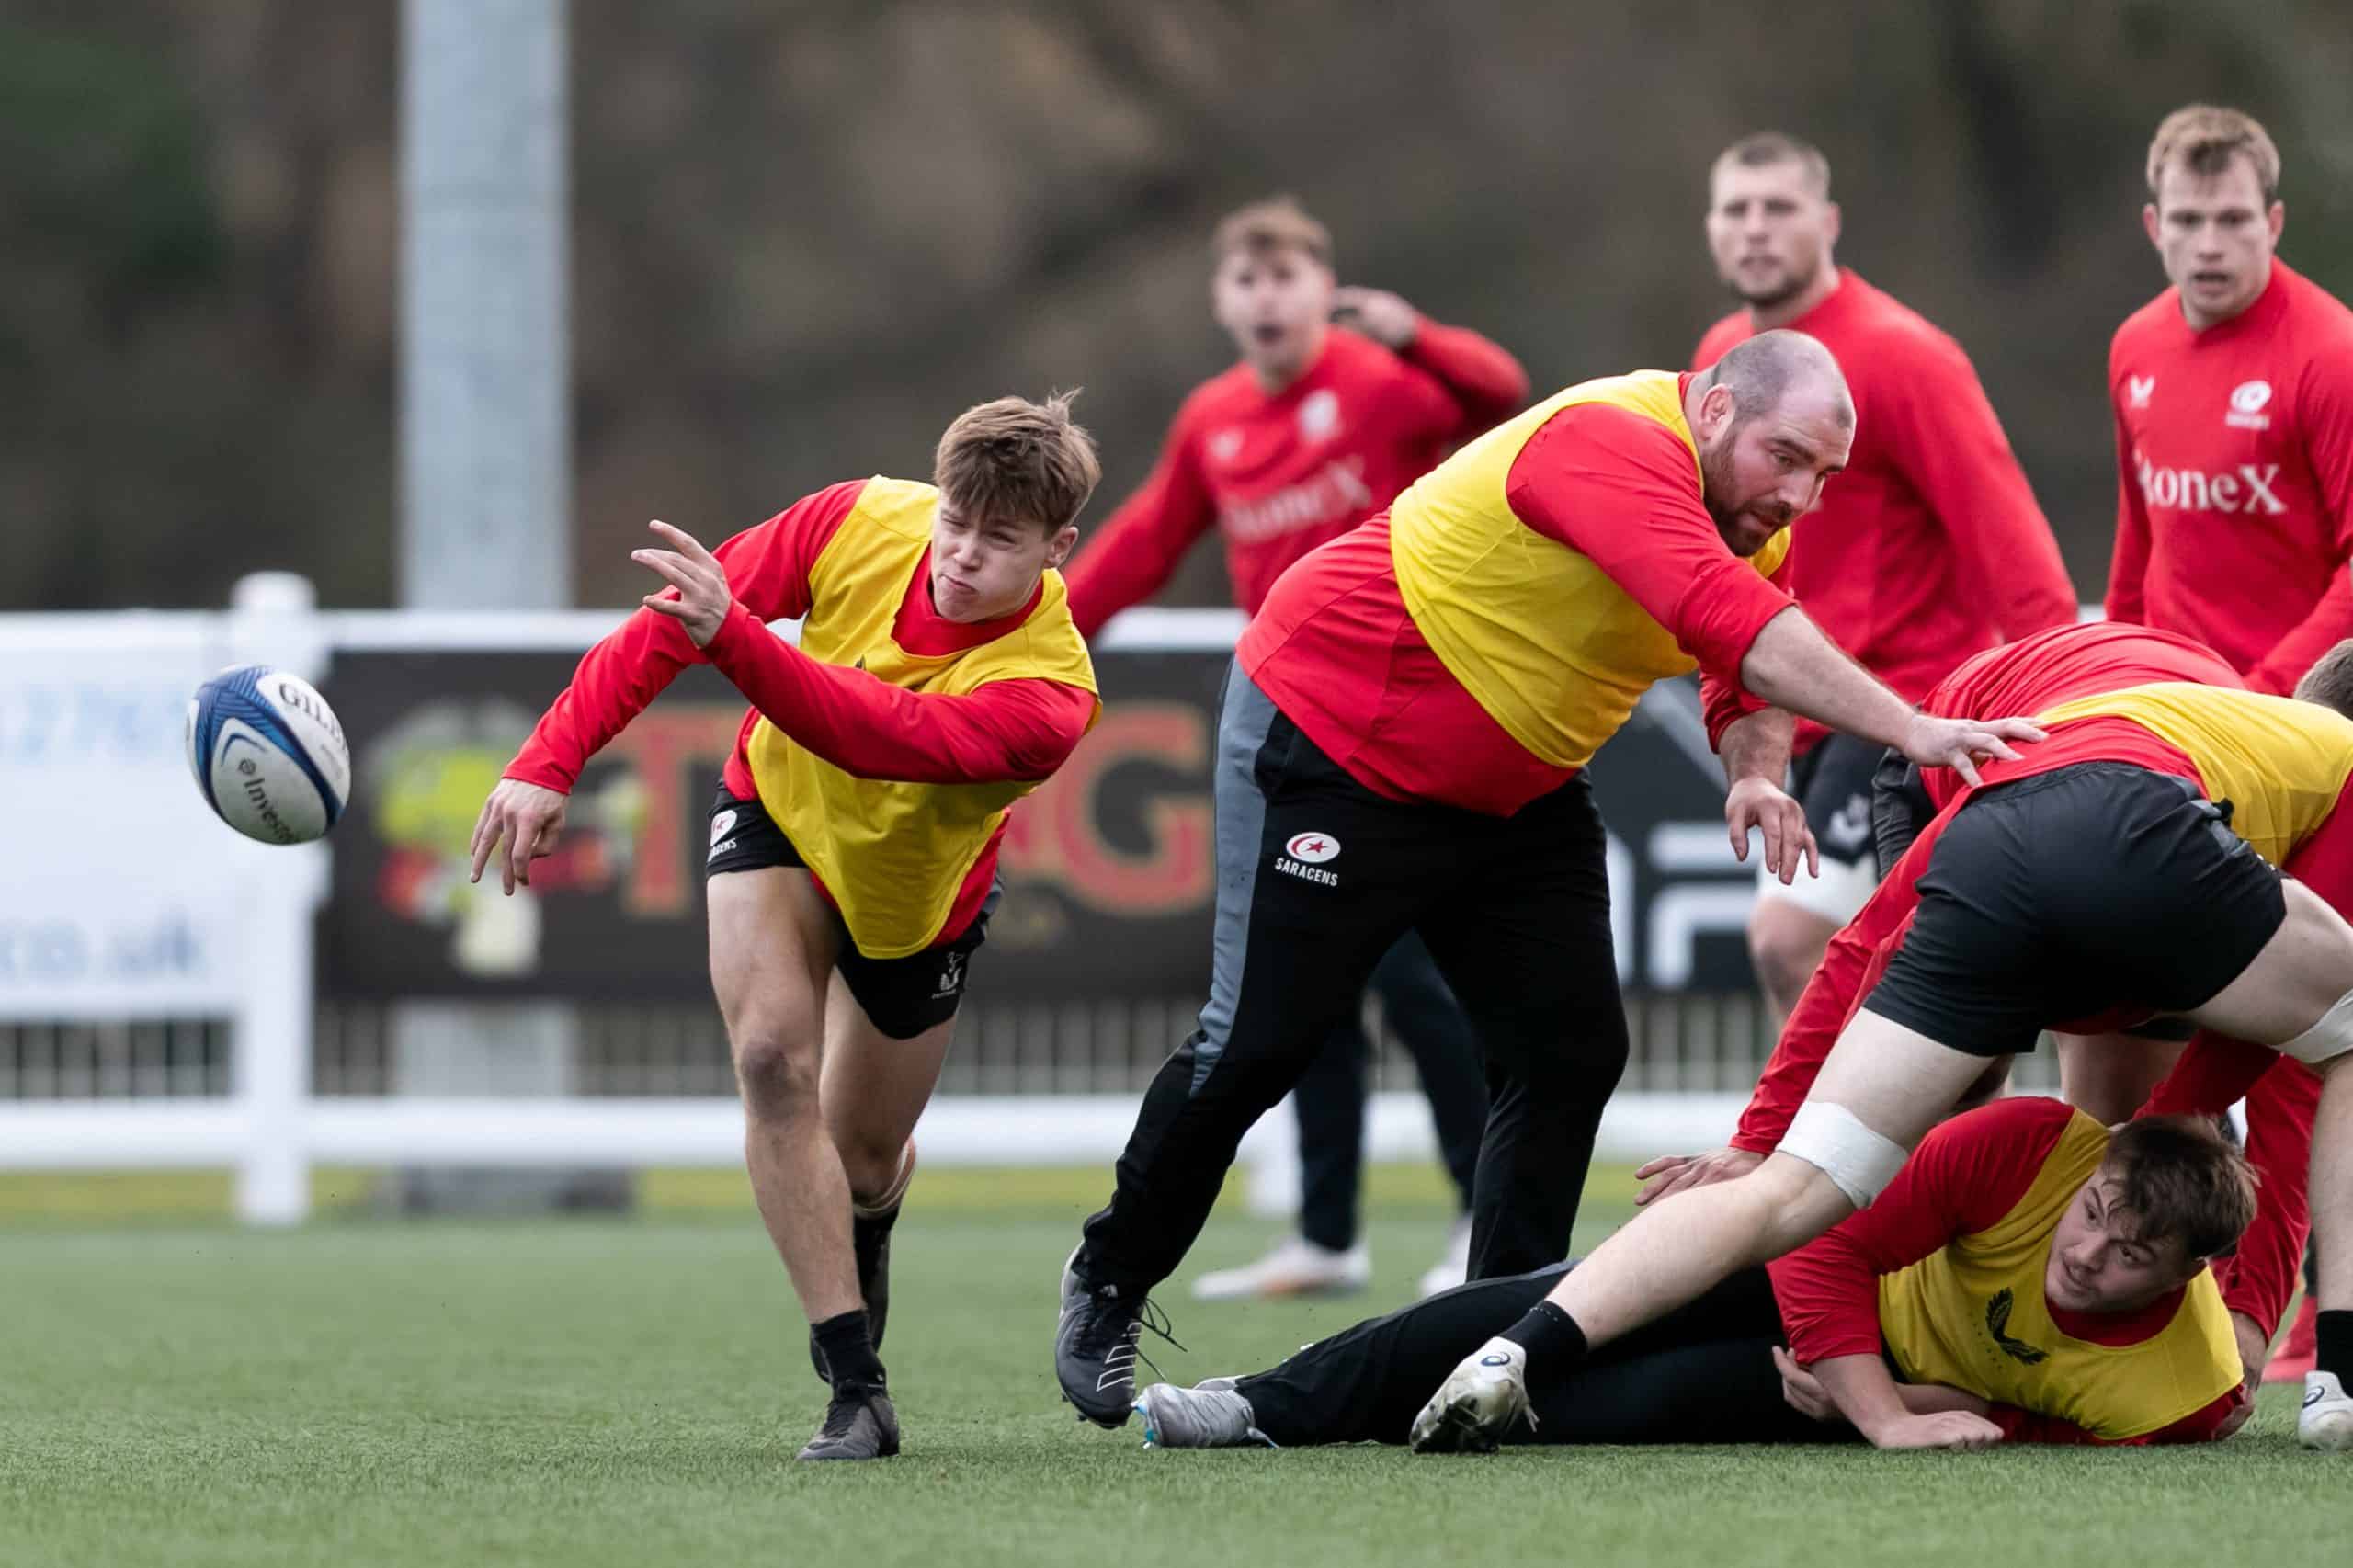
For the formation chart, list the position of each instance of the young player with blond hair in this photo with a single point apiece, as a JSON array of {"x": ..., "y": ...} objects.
[{"x": 852, "y": 867}]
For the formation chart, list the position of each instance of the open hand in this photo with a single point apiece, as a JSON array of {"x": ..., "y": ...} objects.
[
  {"x": 1762, "y": 804},
  {"x": 1945, "y": 1430},
  {"x": 1673, "y": 1173},
  {"x": 1960, "y": 743},
  {"x": 528, "y": 817},
  {"x": 702, "y": 600}
]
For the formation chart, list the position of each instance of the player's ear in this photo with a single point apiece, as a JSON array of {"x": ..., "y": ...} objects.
[
  {"x": 1715, "y": 412},
  {"x": 1830, "y": 220},
  {"x": 2277, "y": 220},
  {"x": 1058, "y": 548},
  {"x": 2149, "y": 220}
]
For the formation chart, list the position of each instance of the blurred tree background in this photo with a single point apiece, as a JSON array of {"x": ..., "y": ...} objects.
[{"x": 807, "y": 235}]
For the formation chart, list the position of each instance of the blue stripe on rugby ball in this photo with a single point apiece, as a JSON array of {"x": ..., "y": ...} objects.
[{"x": 236, "y": 694}]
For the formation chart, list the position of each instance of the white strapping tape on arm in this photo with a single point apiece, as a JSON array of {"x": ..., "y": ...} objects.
[
  {"x": 2332, "y": 1037},
  {"x": 1834, "y": 1141}
]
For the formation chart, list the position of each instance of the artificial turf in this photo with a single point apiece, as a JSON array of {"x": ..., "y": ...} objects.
[{"x": 592, "y": 1391}]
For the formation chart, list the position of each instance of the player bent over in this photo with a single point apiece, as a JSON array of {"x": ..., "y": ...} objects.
[
  {"x": 1315, "y": 429},
  {"x": 2125, "y": 867},
  {"x": 2033, "y": 1276},
  {"x": 854, "y": 842},
  {"x": 1403, "y": 749},
  {"x": 2281, "y": 1093}
]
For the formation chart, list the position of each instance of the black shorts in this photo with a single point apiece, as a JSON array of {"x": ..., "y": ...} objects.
[
  {"x": 1900, "y": 807},
  {"x": 1833, "y": 782},
  {"x": 902, "y": 996},
  {"x": 2071, "y": 892}
]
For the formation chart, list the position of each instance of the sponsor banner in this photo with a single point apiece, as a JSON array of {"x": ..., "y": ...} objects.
[
  {"x": 1106, "y": 868},
  {"x": 124, "y": 890}
]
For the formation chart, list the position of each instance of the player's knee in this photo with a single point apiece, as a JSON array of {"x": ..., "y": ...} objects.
[
  {"x": 779, "y": 1075},
  {"x": 870, "y": 1163},
  {"x": 1853, "y": 1162},
  {"x": 1785, "y": 945},
  {"x": 1797, "y": 1201}
]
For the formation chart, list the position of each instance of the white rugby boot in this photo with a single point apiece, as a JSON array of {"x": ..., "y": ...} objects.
[
  {"x": 2327, "y": 1420},
  {"x": 1478, "y": 1405}
]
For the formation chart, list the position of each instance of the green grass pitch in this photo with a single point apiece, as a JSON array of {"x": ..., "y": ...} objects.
[{"x": 632, "y": 1391}]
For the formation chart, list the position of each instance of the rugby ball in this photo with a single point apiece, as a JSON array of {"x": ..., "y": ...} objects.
[{"x": 269, "y": 754}]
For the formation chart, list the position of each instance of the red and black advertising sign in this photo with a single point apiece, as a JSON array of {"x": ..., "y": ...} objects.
[{"x": 1108, "y": 868}]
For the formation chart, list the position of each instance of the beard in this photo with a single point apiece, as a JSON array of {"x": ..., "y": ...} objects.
[
  {"x": 1796, "y": 281},
  {"x": 1719, "y": 481}
]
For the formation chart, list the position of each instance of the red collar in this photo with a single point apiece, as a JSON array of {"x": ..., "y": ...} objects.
[
  {"x": 2119, "y": 1328},
  {"x": 922, "y": 631}
]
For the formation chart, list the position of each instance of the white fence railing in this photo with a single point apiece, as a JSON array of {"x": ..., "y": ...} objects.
[{"x": 127, "y": 901}]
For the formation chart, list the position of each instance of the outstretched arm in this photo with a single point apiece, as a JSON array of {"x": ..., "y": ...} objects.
[
  {"x": 1008, "y": 730},
  {"x": 616, "y": 679},
  {"x": 1794, "y": 666}
]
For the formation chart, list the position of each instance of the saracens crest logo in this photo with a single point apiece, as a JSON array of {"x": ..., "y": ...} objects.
[
  {"x": 1303, "y": 855},
  {"x": 1312, "y": 848},
  {"x": 2248, "y": 400}
]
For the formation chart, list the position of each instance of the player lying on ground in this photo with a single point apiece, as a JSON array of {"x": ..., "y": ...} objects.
[
  {"x": 854, "y": 843},
  {"x": 1402, "y": 748},
  {"x": 1314, "y": 429},
  {"x": 2031, "y": 1277},
  {"x": 2125, "y": 867},
  {"x": 2065, "y": 664}
]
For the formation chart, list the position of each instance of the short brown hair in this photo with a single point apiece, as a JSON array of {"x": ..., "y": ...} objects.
[
  {"x": 1016, "y": 460},
  {"x": 2330, "y": 680},
  {"x": 1278, "y": 222},
  {"x": 2206, "y": 138},
  {"x": 2177, "y": 1175},
  {"x": 1760, "y": 148}
]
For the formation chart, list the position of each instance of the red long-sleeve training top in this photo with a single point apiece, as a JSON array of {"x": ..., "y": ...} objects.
[
  {"x": 1007, "y": 729},
  {"x": 2234, "y": 477},
  {"x": 1966, "y": 1176},
  {"x": 1279, "y": 472},
  {"x": 1930, "y": 546}
]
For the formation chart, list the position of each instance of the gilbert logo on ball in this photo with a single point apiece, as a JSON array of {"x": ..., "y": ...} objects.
[{"x": 269, "y": 754}]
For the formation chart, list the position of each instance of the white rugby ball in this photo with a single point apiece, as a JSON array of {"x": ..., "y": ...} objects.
[{"x": 269, "y": 754}]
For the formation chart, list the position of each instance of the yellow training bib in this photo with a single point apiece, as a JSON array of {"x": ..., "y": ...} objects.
[{"x": 894, "y": 853}]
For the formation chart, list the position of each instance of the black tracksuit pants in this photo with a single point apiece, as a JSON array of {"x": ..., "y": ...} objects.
[
  {"x": 1421, "y": 1011},
  {"x": 1701, "y": 1374},
  {"x": 1317, "y": 878}
]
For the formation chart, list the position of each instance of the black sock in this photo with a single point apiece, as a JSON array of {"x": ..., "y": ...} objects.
[
  {"x": 2333, "y": 1339},
  {"x": 1551, "y": 1335},
  {"x": 868, "y": 1231},
  {"x": 849, "y": 1350}
]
